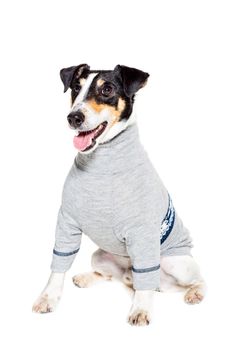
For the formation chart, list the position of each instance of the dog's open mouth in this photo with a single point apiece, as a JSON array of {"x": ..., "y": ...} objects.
[{"x": 85, "y": 140}]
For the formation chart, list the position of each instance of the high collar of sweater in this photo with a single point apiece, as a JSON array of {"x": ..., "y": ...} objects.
[{"x": 120, "y": 154}]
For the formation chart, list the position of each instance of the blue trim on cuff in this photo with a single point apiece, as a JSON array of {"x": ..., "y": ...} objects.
[
  {"x": 65, "y": 254},
  {"x": 168, "y": 222},
  {"x": 148, "y": 269}
]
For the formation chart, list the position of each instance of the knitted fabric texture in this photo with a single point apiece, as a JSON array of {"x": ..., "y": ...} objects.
[{"x": 115, "y": 197}]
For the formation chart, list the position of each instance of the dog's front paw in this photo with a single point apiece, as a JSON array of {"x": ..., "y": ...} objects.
[
  {"x": 139, "y": 318},
  {"x": 45, "y": 304}
]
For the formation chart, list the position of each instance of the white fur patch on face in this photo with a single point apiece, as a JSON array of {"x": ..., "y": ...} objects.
[
  {"x": 83, "y": 92},
  {"x": 117, "y": 128}
]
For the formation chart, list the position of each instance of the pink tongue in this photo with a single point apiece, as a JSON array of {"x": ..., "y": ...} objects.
[{"x": 81, "y": 142}]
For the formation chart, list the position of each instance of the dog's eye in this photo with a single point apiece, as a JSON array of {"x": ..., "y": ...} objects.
[
  {"x": 77, "y": 88},
  {"x": 107, "y": 90}
]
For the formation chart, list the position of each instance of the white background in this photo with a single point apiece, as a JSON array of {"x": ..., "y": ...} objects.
[{"x": 185, "y": 119}]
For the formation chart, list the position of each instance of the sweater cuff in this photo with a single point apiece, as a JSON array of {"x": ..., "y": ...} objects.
[
  {"x": 147, "y": 278},
  {"x": 62, "y": 261}
]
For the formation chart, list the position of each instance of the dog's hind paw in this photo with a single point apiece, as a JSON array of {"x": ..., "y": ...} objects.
[
  {"x": 84, "y": 280},
  {"x": 194, "y": 295},
  {"x": 44, "y": 304},
  {"x": 139, "y": 318}
]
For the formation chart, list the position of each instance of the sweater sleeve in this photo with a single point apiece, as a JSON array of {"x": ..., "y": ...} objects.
[
  {"x": 67, "y": 242},
  {"x": 143, "y": 245}
]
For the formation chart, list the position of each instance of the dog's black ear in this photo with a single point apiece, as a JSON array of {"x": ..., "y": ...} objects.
[
  {"x": 67, "y": 74},
  {"x": 133, "y": 79}
]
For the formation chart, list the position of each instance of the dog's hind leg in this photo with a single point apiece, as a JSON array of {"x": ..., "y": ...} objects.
[
  {"x": 186, "y": 273},
  {"x": 105, "y": 267}
]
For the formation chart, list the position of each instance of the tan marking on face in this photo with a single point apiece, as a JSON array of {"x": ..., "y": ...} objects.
[
  {"x": 120, "y": 108},
  {"x": 115, "y": 111},
  {"x": 121, "y": 104},
  {"x": 98, "y": 107},
  {"x": 82, "y": 81},
  {"x": 100, "y": 82}
]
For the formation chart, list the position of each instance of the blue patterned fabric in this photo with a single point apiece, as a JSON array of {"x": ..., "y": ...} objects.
[{"x": 168, "y": 222}]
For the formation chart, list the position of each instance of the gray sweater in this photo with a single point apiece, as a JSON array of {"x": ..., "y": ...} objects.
[{"x": 115, "y": 197}]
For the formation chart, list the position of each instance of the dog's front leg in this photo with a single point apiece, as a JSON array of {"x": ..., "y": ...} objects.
[
  {"x": 51, "y": 295},
  {"x": 140, "y": 312}
]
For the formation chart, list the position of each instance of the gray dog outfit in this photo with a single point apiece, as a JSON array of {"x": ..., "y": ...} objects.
[{"x": 115, "y": 197}]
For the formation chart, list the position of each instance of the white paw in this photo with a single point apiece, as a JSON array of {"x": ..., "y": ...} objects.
[
  {"x": 45, "y": 304},
  {"x": 194, "y": 295},
  {"x": 139, "y": 317}
]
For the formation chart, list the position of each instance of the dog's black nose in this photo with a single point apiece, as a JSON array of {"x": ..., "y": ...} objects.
[{"x": 75, "y": 119}]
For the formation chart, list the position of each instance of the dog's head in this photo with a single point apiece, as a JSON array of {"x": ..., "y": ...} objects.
[{"x": 102, "y": 102}]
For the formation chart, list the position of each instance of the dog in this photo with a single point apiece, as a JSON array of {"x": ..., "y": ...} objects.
[{"x": 114, "y": 195}]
